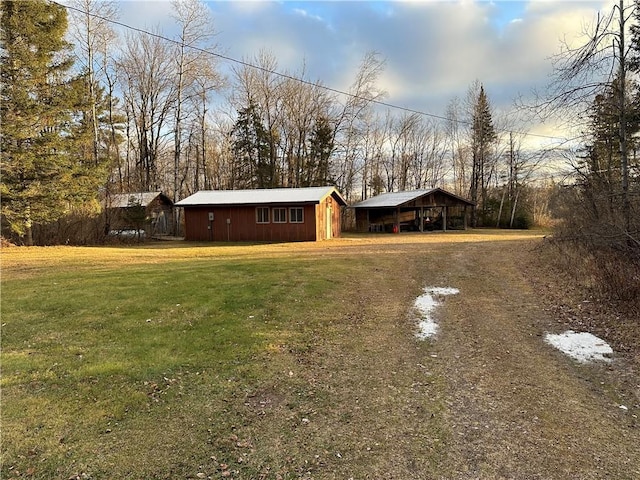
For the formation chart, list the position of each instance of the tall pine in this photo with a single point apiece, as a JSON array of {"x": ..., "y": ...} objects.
[
  {"x": 251, "y": 150},
  {"x": 46, "y": 172},
  {"x": 321, "y": 147},
  {"x": 483, "y": 135}
]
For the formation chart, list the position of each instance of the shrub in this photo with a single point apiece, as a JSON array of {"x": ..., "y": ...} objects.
[{"x": 603, "y": 272}]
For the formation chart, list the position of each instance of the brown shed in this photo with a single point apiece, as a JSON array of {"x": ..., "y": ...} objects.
[
  {"x": 418, "y": 210},
  {"x": 151, "y": 212},
  {"x": 271, "y": 215}
]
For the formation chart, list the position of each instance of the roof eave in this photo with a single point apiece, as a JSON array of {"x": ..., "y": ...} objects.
[
  {"x": 248, "y": 204},
  {"x": 333, "y": 191}
]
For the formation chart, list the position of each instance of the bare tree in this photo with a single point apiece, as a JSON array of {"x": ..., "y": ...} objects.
[
  {"x": 115, "y": 116},
  {"x": 429, "y": 153},
  {"x": 312, "y": 137},
  {"x": 375, "y": 136},
  {"x": 305, "y": 108},
  {"x": 581, "y": 73},
  {"x": 95, "y": 40},
  {"x": 91, "y": 30},
  {"x": 458, "y": 150},
  {"x": 348, "y": 116},
  {"x": 147, "y": 66},
  {"x": 194, "y": 73},
  {"x": 515, "y": 175},
  {"x": 401, "y": 150},
  {"x": 207, "y": 81}
]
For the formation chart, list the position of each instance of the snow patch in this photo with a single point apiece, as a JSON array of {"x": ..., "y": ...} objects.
[
  {"x": 581, "y": 346},
  {"x": 426, "y": 305}
]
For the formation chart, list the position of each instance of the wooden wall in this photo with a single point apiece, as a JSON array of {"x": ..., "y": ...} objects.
[
  {"x": 242, "y": 226},
  {"x": 328, "y": 213}
]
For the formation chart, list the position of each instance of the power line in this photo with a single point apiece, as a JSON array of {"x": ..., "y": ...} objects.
[{"x": 564, "y": 140}]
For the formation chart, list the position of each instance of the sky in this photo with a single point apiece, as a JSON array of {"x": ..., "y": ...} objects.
[{"x": 433, "y": 50}]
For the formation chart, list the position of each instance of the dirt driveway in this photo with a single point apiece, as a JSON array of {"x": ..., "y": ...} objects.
[
  {"x": 520, "y": 409},
  {"x": 485, "y": 398}
]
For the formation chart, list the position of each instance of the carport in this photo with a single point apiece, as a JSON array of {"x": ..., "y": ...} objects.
[{"x": 417, "y": 210}]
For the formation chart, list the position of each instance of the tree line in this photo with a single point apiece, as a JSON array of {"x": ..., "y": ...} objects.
[
  {"x": 599, "y": 232},
  {"x": 89, "y": 111}
]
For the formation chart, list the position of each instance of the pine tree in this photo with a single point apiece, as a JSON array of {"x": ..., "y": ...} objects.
[
  {"x": 482, "y": 136},
  {"x": 44, "y": 173},
  {"x": 251, "y": 149},
  {"x": 321, "y": 147},
  {"x": 600, "y": 167}
]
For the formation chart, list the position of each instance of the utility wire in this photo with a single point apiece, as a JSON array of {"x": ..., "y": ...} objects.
[{"x": 297, "y": 79}]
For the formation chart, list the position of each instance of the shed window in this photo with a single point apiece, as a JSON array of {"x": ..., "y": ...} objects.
[
  {"x": 279, "y": 215},
  {"x": 262, "y": 215},
  {"x": 296, "y": 215}
]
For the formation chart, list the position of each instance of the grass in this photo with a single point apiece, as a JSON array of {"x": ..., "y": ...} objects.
[
  {"x": 86, "y": 353},
  {"x": 254, "y": 361}
]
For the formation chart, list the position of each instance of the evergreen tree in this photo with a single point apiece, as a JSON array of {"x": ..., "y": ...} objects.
[
  {"x": 44, "y": 173},
  {"x": 633, "y": 61},
  {"x": 482, "y": 137},
  {"x": 600, "y": 167},
  {"x": 251, "y": 149},
  {"x": 321, "y": 147}
]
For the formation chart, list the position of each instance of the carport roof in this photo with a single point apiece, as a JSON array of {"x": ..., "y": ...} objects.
[
  {"x": 397, "y": 199},
  {"x": 261, "y": 196}
]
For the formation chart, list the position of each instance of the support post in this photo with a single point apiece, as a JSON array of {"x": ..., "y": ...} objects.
[
  {"x": 444, "y": 218},
  {"x": 396, "y": 228}
]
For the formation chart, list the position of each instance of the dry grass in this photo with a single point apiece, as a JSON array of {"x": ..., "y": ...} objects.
[{"x": 25, "y": 261}]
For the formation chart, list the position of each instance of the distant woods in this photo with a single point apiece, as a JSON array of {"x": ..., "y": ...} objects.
[{"x": 90, "y": 110}]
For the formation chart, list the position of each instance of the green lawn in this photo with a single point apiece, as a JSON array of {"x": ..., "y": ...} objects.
[{"x": 131, "y": 370}]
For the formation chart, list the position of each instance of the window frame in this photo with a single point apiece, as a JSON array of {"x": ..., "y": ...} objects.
[
  {"x": 292, "y": 218},
  {"x": 280, "y": 210},
  {"x": 263, "y": 210}
]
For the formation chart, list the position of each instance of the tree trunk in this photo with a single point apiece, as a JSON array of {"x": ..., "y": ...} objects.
[
  {"x": 500, "y": 210},
  {"x": 624, "y": 161},
  {"x": 513, "y": 209}
]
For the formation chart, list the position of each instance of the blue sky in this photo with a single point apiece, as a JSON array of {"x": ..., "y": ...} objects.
[
  {"x": 507, "y": 12},
  {"x": 434, "y": 50}
]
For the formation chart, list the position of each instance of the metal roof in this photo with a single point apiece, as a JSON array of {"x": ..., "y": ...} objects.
[
  {"x": 397, "y": 199},
  {"x": 391, "y": 199},
  {"x": 123, "y": 200},
  {"x": 260, "y": 196}
]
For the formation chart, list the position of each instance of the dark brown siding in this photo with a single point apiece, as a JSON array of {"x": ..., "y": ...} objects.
[
  {"x": 242, "y": 225},
  {"x": 362, "y": 220}
]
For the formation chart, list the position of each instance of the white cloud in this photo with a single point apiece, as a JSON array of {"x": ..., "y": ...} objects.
[
  {"x": 147, "y": 14},
  {"x": 433, "y": 49},
  {"x": 304, "y": 13}
]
